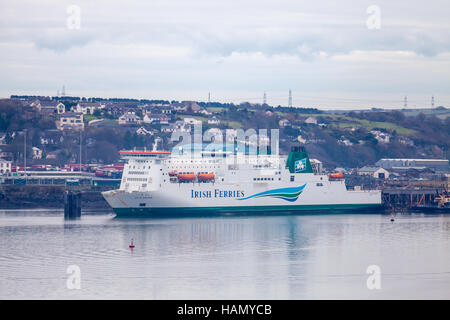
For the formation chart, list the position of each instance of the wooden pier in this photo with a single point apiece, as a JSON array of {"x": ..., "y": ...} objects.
[{"x": 408, "y": 198}]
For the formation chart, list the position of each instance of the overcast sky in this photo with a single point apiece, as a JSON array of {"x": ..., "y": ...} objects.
[{"x": 182, "y": 49}]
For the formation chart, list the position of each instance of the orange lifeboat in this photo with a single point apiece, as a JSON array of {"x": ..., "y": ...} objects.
[
  {"x": 186, "y": 176},
  {"x": 336, "y": 175},
  {"x": 204, "y": 176},
  {"x": 173, "y": 173}
]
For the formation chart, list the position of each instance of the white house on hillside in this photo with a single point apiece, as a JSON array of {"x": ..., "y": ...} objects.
[
  {"x": 50, "y": 106},
  {"x": 213, "y": 120},
  {"x": 144, "y": 132},
  {"x": 156, "y": 118},
  {"x": 37, "y": 153},
  {"x": 5, "y": 166},
  {"x": 88, "y": 107},
  {"x": 179, "y": 107},
  {"x": 71, "y": 120},
  {"x": 311, "y": 120},
  {"x": 382, "y": 137},
  {"x": 205, "y": 112},
  {"x": 344, "y": 141},
  {"x": 283, "y": 123},
  {"x": 129, "y": 118},
  {"x": 192, "y": 121}
]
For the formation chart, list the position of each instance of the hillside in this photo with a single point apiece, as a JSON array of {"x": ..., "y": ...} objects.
[{"x": 351, "y": 139}]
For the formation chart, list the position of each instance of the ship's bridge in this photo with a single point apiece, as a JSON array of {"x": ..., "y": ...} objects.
[{"x": 140, "y": 171}]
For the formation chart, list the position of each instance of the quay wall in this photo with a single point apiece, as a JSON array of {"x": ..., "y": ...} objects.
[{"x": 34, "y": 196}]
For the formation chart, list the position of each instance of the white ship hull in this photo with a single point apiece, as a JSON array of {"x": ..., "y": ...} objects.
[
  {"x": 180, "y": 198},
  {"x": 149, "y": 188}
]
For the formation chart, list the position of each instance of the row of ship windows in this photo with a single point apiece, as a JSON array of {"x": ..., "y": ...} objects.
[
  {"x": 265, "y": 166},
  {"x": 138, "y": 172},
  {"x": 143, "y": 167},
  {"x": 197, "y": 161},
  {"x": 212, "y": 167},
  {"x": 136, "y": 179},
  {"x": 264, "y": 179}
]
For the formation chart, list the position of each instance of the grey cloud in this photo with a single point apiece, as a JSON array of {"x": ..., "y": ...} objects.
[
  {"x": 61, "y": 40},
  {"x": 196, "y": 39},
  {"x": 289, "y": 27}
]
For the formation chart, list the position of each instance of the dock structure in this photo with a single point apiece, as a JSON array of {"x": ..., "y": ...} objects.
[
  {"x": 64, "y": 181},
  {"x": 50, "y": 178},
  {"x": 408, "y": 198}
]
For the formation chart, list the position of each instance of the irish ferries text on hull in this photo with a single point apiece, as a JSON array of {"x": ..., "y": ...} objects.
[{"x": 198, "y": 180}]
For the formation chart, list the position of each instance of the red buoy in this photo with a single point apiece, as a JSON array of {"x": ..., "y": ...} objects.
[{"x": 131, "y": 244}]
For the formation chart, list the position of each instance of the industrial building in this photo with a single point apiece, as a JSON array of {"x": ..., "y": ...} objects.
[
  {"x": 418, "y": 164},
  {"x": 376, "y": 172}
]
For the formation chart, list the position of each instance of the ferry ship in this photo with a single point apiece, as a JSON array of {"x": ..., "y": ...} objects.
[{"x": 192, "y": 181}]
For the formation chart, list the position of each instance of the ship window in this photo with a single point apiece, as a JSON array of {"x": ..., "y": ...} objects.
[
  {"x": 141, "y": 204},
  {"x": 292, "y": 178},
  {"x": 319, "y": 184}
]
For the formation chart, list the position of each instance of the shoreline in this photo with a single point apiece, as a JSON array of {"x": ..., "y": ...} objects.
[{"x": 52, "y": 197}]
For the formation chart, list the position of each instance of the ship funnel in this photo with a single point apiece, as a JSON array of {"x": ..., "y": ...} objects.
[{"x": 298, "y": 160}]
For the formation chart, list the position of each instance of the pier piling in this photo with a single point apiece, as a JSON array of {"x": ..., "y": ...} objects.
[{"x": 72, "y": 205}]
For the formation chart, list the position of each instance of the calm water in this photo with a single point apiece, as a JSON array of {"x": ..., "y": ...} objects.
[{"x": 285, "y": 257}]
